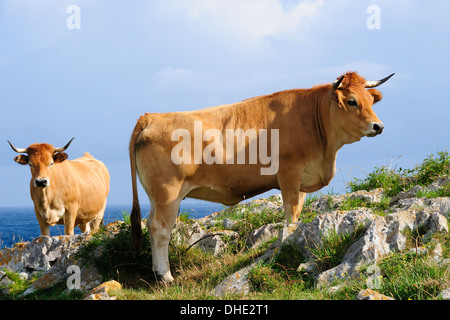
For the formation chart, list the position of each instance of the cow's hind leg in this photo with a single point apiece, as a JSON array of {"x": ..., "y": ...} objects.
[
  {"x": 160, "y": 227},
  {"x": 96, "y": 222}
]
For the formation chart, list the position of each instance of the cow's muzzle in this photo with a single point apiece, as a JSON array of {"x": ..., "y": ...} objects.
[
  {"x": 41, "y": 182},
  {"x": 375, "y": 128}
]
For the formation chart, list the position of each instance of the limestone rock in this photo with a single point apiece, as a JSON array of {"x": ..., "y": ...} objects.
[
  {"x": 445, "y": 294},
  {"x": 234, "y": 284},
  {"x": 187, "y": 233},
  {"x": 262, "y": 234},
  {"x": 50, "y": 257}
]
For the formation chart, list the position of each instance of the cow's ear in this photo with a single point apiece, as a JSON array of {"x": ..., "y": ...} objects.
[
  {"x": 21, "y": 159},
  {"x": 60, "y": 157},
  {"x": 377, "y": 95},
  {"x": 338, "y": 97}
]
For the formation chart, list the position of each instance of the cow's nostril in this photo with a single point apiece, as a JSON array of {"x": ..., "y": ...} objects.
[
  {"x": 378, "y": 128},
  {"x": 41, "y": 182}
]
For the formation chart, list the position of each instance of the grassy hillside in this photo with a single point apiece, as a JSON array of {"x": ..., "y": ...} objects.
[{"x": 404, "y": 275}]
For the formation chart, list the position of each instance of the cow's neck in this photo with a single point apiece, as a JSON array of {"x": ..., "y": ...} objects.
[
  {"x": 41, "y": 197},
  {"x": 328, "y": 140}
]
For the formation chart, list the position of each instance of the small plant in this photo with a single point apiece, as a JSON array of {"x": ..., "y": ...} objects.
[{"x": 262, "y": 278}]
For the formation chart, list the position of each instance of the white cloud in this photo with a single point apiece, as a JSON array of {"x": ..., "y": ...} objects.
[{"x": 249, "y": 19}]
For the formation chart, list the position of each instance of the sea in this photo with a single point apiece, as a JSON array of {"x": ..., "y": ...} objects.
[{"x": 19, "y": 224}]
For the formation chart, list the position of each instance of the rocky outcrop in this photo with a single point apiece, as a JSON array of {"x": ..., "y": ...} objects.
[
  {"x": 379, "y": 235},
  {"x": 50, "y": 260}
]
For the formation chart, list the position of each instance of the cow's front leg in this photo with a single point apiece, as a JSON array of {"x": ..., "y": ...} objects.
[
  {"x": 69, "y": 219},
  {"x": 293, "y": 198},
  {"x": 45, "y": 228}
]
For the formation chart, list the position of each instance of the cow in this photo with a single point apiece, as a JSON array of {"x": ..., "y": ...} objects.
[
  {"x": 170, "y": 154},
  {"x": 68, "y": 192}
]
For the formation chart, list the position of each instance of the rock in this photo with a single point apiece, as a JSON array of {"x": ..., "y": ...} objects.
[
  {"x": 23, "y": 275},
  {"x": 50, "y": 257},
  {"x": 89, "y": 276},
  {"x": 41, "y": 253},
  {"x": 237, "y": 283},
  {"x": 445, "y": 294},
  {"x": 4, "y": 280},
  {"x": 234, "y": 284},
  {"x": 330, "y": 203},
  {"x": 411, "y": 193},
  {"x": 192, "y": 234},
  {"x": 439, "y": 183},
  {"x": 381, "y": 236},
  {"x": 213, "y": 244},
  {"x": 187, "y": 233},
  {"x": 373, "y": 196},
  {"x": 308, "y": 267},
  {"x": 263, "y": 234},
  {"x": 369, "y": 294},
  {"x": 440, "y": 205},
  {"x": 101, "y": 292},
  {"x": 228, "y": 223}
]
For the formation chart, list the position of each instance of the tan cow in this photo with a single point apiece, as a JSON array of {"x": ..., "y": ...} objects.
[
  {"x": 287, "y": 141},
  {"x": 69, "y": 192}
]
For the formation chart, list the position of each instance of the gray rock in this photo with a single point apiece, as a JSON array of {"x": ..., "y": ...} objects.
[
  {"x": 213, "y": 244},
  {"x": 228, "y": 223},
  {"x": 411, "y": 193},
  {"x": 263, "y": 234},
  {"x": 382, "y": 237},
  {"x": 234, "y": 284},
  {"x": 445, "y": 294},
  {"x": 187, "y": 233}
]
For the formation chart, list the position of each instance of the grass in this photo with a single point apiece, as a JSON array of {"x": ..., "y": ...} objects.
[{"x": 394, "y": 180}]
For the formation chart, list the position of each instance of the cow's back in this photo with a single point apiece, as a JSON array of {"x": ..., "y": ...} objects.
[
  {"x": 88, "y": 179},
  {"x": 92, "y": 172}
]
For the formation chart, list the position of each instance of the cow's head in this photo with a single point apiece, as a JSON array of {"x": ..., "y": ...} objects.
[
  {"x": 40, "y": 157},
  {"x": 354, "y": 113}
]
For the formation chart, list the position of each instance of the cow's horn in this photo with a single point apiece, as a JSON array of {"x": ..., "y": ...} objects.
[
  {"x": 18, "y": 150},
  {"x": 337, "y": 83},
  {"x": 373, "y": 84},
  {"x": 65, "y": 147}
]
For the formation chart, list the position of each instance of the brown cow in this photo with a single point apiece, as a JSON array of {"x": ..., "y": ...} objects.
[
  {"x": 69, "y": 192},
  {"x": 204, "y": 154}
]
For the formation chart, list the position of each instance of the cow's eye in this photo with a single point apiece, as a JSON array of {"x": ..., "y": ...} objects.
[
  {"x": 352, "y": 103},
  {"x": 50, "y": 165}
]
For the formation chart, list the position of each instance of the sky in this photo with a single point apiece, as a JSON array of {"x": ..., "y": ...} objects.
[{"x": 89, "y": 68}]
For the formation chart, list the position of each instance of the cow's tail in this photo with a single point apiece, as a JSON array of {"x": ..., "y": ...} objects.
[{"x": 135, "y": 217}]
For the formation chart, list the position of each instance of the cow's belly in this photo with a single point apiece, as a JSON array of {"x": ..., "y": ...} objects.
[{"x": 226, "y": 195}]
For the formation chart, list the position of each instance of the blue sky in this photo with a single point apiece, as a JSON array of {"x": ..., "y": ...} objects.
[{"x": 132, "y": 57}]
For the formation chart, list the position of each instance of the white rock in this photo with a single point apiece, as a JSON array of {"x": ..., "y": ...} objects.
[{"x": 445, "y": 294}]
